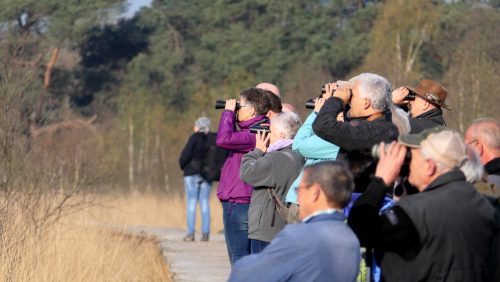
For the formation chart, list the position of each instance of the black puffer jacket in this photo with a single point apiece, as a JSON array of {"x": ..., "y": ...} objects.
[
  {"x": 192, "y": 155},
  {"x": 355, "y": 138}
]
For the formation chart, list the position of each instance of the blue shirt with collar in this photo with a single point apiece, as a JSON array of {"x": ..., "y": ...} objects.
[{"x": 322, "y": 248}]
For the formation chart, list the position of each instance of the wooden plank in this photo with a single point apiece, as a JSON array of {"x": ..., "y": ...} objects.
[{"x": 191, "y": 261}]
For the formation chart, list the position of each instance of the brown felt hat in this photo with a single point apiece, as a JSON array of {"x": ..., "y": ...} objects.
[{"x": 431, "y": 91}]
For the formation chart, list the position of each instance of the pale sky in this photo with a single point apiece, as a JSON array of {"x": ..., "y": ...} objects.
[{"x": 135, "y": 5}]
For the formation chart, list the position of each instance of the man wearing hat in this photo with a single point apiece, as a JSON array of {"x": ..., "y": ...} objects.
[
  {"x": 444, "y": 232},
  {"x": 424, "y": 104}
]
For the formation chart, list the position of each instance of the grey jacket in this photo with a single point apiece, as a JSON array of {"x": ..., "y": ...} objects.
[{"x": 276, "y": 170}]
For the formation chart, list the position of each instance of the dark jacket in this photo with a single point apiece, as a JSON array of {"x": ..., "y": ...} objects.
[
  {"x": 490, "y": 184},
  {"x": 441, "y": 234},
  {"x": 492, "y": 168},
  {"x": 429, "y": 119},
  {"x": 355, "y": 138},
  {"x": 276, "y": 170},
  {"x": 191, "y": 159}
]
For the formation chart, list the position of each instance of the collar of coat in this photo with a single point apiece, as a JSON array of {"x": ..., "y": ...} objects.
[
  {"x": 252, "y": 121},
  {"x": 493, "y": 166},
  {"x": 445, "y": 178},
  {"x": 433, "y": 113},
  {"x": 339, "y": 216}
]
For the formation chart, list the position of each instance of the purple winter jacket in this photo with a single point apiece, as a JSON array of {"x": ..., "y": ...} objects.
[{"x": 231, "y": 188}]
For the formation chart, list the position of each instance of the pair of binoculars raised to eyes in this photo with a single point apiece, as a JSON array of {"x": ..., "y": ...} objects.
[
  {"x": 410, "y": 96},
  {"x": 376, "y": 152},
  {"x": 311, "y": 102},
  {"x": 221, "y": 104},
  {"x": 262, "y": 126}
]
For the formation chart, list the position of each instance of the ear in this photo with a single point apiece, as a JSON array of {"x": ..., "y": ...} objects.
[
  {"x": 367, "y": 103},
  {"x": 480, "y": 148},
  {"x": 426, "y": 105},
  {"x": 282, "y": 135},
  {"x": 316, "y": 192},
  {"x": 253, "y": 111},
  {"x": 431, "y": 167}
]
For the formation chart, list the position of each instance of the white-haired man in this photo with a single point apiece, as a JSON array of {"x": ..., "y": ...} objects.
[
  {"x": 367, "y": 123},
  {"x": 483, "y": 135},
  {"x": 443, "y": 233}
]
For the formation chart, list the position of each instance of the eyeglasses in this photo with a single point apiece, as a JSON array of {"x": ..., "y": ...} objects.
[
  {"x": 302, "y": 187},
  {"x": 242, "y": 106},
  {"x": 472, "y": 141}
]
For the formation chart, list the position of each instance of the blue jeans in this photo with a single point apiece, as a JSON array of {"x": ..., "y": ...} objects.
[
  {"x": 197, "y": 189},
  {"x": 235, "y": 219},
  {"x": 257, "y": 246}
]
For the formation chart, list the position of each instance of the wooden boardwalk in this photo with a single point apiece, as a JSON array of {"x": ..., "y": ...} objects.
[{"x": 191, "y": 261}]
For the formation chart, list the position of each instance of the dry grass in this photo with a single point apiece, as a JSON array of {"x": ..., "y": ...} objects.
[
  {"x": 77, "y": 249},
  {"x": 154, "y": 210},
  {"x": 69, "y": 252}
]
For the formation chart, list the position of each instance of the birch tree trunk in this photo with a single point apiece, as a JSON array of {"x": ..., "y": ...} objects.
[{"x": 131, "y": 155}]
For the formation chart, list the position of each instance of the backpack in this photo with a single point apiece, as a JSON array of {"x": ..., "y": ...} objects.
[{"x": 213, "y": 159}]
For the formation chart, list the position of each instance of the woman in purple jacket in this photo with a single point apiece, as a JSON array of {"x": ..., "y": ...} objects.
[{"x": 234, "y": 135}]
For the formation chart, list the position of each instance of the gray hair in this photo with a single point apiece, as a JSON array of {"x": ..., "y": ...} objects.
[
  {"x": 287, "y": 123},
  {"x": 472, "y": 167},
  {"x": 203, "y": 124},
  {"x": 440, "y": 167},
  {"x": 400, "y": 118},
  {"x": 374, "y": 87},
  {"x": 335, "y": 180},
  {"x": 488, "y": 129}
]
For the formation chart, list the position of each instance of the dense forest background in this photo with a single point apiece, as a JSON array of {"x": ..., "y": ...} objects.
[{"x": 89, "y": 100}]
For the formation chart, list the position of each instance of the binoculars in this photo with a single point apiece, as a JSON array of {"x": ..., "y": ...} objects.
[
  {"x": 221, "y": 104},
  {"x": 410, "y": 96},
  {"x": 310, "y": 102},
  {"x": 261, "y": 126},
  {"x": 376, "y": 154}
]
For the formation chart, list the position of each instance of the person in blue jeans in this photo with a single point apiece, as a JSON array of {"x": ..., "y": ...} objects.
[
  {"x": 196, "y": 187},
  {"x": 234, "y": 135}
]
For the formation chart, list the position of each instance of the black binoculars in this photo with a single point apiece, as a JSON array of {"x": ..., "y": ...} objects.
[
  {"x": 310, "y": 104},
  {"x": 263, "y": 126},
  {"x": 410, "y": 96},
  {"x": 221, "y": 104}
]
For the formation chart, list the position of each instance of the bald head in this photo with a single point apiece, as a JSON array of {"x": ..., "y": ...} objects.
[
  {"x": 484, "y": 135},
  {"x": 269, "y": 87},
  {"x": 288, "y": 108}
]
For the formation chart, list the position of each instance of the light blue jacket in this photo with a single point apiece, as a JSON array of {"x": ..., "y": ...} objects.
[
  {"x": 323, "y": 248},
  {"x": 313, "y": 148}
]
